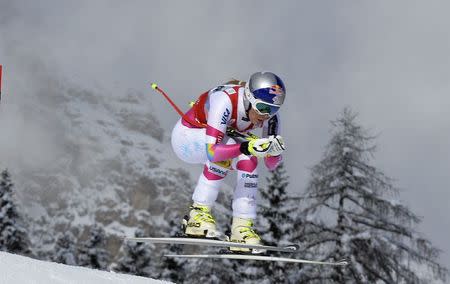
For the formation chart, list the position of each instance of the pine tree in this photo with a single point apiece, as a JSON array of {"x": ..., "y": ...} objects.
[
  {"x": 65, "y": 249},
  {"x": 93, "y": 251},
  {"x": 172, "y": 269},
  {"x": 352, "y": 212},
  {"x": 276, "y": 209},
  {"x": 214, "y": 271},
  {"x": 137, "y": 258},
  {"x": 276, "y": 216},
  {"x": 13, "y": 235}
]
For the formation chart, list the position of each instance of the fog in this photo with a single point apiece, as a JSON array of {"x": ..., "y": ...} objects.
[{"x": 387, "y": 60}]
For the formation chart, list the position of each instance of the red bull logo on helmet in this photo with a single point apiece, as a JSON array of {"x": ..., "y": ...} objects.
[
  {"x": 276, "y": 90},
  {"x": 272, "y": 95}
]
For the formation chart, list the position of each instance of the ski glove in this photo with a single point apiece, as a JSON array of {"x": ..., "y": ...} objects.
[
  {"x": 277, "y": 145},
  {"x": 262, "y": 147},
  {"x": 256, "y": 147}
]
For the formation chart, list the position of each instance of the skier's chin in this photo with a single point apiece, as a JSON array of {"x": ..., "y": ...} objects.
[
  {"x": 259, "y": 122},
  {"x": 257, "y": 119}
]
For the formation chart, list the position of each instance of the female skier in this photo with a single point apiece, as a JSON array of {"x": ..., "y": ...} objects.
[{"x": 235, "y": 105}]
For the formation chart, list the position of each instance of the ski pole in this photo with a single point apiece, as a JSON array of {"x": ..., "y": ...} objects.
[
  {"x": 155, "y": 87},
  {"x": 231, "y": 132}
]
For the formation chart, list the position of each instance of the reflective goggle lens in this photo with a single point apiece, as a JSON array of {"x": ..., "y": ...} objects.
[{"x": 266, "y": 109}]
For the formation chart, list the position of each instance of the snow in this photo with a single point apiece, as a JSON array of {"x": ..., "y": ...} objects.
[
  {"x": 346, "y": 150},
  {"x": 395, "y": 202},
  {"x": 19, "y": 269}
]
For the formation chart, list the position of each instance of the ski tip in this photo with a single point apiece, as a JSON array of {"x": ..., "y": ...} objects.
[
  {"x": 292, "y": 247},
  {"x": 154, "y": 86},
  {"x": 342, "y": 262}
]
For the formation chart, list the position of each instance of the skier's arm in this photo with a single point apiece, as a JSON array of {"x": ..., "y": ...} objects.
[
  {"x": 219, "y": 152},
  {"x": 260, "y": 148},
  {"x": 272, "y": 127},
  {"x": 272, "y": 162},
  {"x": 219, "y": 114}
]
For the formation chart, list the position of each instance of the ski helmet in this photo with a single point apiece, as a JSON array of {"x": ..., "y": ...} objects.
[{"x": 266, "y": 92}]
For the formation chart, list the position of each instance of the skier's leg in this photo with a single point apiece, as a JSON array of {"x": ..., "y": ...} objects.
[
  {"x": 244, "y": 199},
  {"x": 201, "y": 222},
  {"x": 189, "y": 145},
  {"x": 211, "y": 179},
  {"x": 244, "y": 202},
  {"x": 209, "y": 182}
]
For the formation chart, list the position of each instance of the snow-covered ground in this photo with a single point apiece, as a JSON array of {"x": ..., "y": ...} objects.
[{"x": 15, "y": 269}]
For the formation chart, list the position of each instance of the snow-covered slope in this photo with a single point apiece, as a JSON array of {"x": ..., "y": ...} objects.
[{"x": 15, "y": 269}]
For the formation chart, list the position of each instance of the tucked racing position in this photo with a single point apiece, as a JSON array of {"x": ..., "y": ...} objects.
[{"x": 204, "y": 136}]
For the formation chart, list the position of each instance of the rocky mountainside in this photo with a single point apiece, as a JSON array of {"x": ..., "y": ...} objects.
[{"x": 114, "y": 167}]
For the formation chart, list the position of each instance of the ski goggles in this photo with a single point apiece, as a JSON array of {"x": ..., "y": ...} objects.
[
  {"x": 264, "y": 108},
  {"x": 261, "y": 107}
]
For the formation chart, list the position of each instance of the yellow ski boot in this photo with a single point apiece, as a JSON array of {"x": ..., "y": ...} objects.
[
  {"x": 200, "y": 223},
  {"x": 242, "y": 232}
]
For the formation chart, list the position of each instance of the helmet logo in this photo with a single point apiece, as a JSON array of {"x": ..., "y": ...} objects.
[{"x": 276, "y": 90}]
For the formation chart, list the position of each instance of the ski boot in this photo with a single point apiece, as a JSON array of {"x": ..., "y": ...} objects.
[
  {"x": 242, "y": 232},
  {"x": 200, "y": 223}
]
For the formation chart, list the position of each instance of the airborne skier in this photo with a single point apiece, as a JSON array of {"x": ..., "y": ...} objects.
[{"x": 200, "y": 137}]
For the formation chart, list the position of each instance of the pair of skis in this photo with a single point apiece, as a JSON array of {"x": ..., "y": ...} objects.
[
  {"x": 227, "y": 244},
  {"x": 223, "y": 243}
]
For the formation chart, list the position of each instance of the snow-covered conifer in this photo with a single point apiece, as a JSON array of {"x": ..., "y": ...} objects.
[
  {"x": 93, "y": 252},
  {"x": 65, "y": 249},
  {"x": 172, "y": 269},
  {"x": 275, "y": 221},
  {"x": 13, "y": 235},
  {"x": 276, "y": 209},
  {"x": 350, "y": 210},
  {"x": 137, "y": 258}
]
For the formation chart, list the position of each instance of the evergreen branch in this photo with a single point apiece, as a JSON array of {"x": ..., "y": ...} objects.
[
  {"x": 373, "y": 272},
  {"x": 322, "y": 279},
  {"x": 419, "y": 257},
  {"x": 403, "y": 271},
  {"x": 317, "y": 243},
  {"x": 320, "y": 227},
  {"x": 396, "y": 229},
  {"x": 357, "y": 276},
  {"x": 367, "y": 254},
  {"x": 430, "y": 258},
  {"x": 406, "y": 213},
  {"x": 318, "y": 196},
  {"x": 398, "y": 209}
]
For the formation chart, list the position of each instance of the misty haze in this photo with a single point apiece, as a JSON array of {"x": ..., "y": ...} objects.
[{"x": 85, "y": 143}]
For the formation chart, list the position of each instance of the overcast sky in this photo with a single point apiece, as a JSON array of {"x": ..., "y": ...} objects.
[{"x": 388, "y": 60}]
